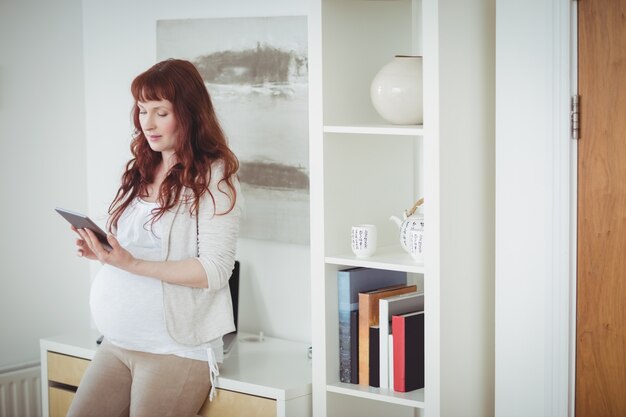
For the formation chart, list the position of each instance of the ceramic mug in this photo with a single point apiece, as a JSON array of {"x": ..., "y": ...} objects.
[
  {"x": 364, "y": 240},
  {"x": 416, "y": 244}
]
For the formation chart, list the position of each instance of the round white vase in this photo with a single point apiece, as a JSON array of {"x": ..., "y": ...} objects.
[{"x": 396, "y": 91}]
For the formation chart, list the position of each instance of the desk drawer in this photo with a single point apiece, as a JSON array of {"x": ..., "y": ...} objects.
[
  {"x": 66, "y": 369},
  {"x": 235, "y": 404},
  {"x": 59, "y": 400}
]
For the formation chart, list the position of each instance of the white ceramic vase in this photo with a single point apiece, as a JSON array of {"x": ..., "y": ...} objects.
[{"x": 397, "y": 91}]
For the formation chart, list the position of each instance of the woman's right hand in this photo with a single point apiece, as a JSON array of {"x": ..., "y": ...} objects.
[{"x": 82, "y": 248}]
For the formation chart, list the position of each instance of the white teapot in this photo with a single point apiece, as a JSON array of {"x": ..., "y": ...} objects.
[{"x": 412, "y": 220}]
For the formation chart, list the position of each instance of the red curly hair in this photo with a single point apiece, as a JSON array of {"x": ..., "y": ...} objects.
[{"x": 201, "y": 142}]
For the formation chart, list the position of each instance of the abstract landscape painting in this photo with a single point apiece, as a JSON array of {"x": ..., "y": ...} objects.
[{"x": 256, "y": 71}]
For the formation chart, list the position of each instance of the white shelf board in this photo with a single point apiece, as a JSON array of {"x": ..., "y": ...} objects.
[
  {"x": 377, "y": 129},
  {"x": 413, "y": 399},
  {"x": 392, "y": 258}
]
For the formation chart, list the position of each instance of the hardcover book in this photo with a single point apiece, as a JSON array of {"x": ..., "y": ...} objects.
[
  {"x": 388, "y": 307},
  {"x": 390, "y": 357},
  {"x": 408, "y": 351},
  {"x": 374, "y": 356},
  {"x": 350, "y": 283},
  {"x": 368, "y": 316},
  {"x": 354, "y": 347}
]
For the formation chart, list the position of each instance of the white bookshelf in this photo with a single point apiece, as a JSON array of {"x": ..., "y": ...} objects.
[
  {"x": 367, "y": 170},
  {"x": 364, "y": 170}
]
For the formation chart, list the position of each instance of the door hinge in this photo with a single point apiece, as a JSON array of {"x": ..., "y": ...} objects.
[{"x": 575, "y": 117}]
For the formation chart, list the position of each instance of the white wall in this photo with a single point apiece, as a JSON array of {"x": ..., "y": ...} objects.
[
  {"x": 43, "y": 285},
  {"x": 532, "y": 207},
  {"x": 120, "y": 42}
]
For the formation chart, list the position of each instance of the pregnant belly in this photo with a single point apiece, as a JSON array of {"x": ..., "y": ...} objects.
[{"x": 127, "y": 307}]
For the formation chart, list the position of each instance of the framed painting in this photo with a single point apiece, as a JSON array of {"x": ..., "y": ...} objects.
[{"x": 256, "y": 71}]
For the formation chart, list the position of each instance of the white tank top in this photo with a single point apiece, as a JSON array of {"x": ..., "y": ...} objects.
[{"x": 127, "y": 308}]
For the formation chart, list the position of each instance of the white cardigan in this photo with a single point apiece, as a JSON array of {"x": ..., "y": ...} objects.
[{"x": 196, "y": 315}]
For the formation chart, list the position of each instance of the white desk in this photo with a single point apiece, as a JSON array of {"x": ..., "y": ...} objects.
[{"x": 273, "y": 369}]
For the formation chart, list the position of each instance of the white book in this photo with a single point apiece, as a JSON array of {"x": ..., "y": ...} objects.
[
  {"x": 397, "y": 304},
  {"x": 390, "y": 345}
]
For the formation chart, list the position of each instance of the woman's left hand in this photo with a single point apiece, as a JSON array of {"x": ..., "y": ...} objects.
[{"x": 117, "y": 256}]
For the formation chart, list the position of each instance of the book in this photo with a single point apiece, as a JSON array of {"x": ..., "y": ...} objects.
[
  {"x": 398, "y": 304},
  {"x": 354, "y": 347},
  {"x": 408, "y": 351},
  {"x": 350, "y": 283},
  {"x": 368, "y": 316},
  {"x": 390, "y": 357},
  {"x": 374, "y": 366}
]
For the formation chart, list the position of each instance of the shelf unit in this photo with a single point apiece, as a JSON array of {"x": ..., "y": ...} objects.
[
  {"x": 389, "y": 255},
  {"x": 364, "y": 170}
]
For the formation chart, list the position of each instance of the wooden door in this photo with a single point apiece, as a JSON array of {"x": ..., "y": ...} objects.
[{"x": 601, "y": 287}]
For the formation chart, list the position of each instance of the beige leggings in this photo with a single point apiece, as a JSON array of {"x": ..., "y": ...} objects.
[{"x": 121, "y": 382}]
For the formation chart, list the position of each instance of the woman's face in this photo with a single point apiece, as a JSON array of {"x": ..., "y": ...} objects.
[{"x": 159, "y": 125}]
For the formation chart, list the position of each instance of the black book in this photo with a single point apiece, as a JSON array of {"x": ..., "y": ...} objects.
[
  {"x": 354, "y": 347},
  {"x": 374, "y": 359}
]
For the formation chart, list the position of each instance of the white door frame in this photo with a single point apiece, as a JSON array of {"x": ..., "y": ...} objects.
[
  {"x": 573, "y": 42},
  {"x": 535, "y": 208}
]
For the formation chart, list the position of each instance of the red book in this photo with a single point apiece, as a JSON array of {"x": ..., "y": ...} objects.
[{"x": 408, "y": 351}]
